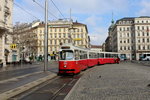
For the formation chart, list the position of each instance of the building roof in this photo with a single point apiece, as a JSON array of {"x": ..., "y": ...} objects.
[
  {"x": 76, "y": 23},
  {"x": 96, "y": 46},
  {"x": 132, "y": 18}
]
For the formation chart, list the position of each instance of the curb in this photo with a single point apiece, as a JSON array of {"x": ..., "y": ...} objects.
[{"x": 16, "y": 91}]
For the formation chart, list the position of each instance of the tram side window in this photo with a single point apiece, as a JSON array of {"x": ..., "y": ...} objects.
[
  {"x": 90, "y": 55},
  {"x": 82, "y": 55},
  {"x": 107, "y": 55},
  {"x": 101, "y": 55},
  {"x": 76, "y": 55},
  {"x": 66, "y": 55}
]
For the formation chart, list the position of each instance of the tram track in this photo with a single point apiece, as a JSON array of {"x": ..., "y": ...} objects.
[{"x": 54, "y": 89}]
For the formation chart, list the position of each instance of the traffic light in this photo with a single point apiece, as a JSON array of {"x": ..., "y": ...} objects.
[{"x": 13, "y": 46}]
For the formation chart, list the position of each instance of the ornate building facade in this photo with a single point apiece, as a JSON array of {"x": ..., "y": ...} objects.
[
  {"x": 131, "y": 36},
  {"x": 6, "y": 7},
  {"x": 30, "y": 37}
]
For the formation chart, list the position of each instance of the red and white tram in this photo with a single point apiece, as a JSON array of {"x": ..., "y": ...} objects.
[{"x": 73, "y": 60}]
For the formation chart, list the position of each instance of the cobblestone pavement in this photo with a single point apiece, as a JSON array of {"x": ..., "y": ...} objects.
[{"x": 125, "y": 81}]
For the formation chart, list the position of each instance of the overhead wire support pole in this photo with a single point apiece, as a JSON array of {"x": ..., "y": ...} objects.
[{"x": 46, "y": 37}]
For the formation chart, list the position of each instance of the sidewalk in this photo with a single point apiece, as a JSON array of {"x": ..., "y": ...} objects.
[
  {"x": 124, "y": 81},
  {"x": 14, "y": 86}
]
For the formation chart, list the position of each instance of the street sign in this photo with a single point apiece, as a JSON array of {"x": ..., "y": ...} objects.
[
  {"x": 77, "y": 39},
  {"x": 13, "y": 46}
]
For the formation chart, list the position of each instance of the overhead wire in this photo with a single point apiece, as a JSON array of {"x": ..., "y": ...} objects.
[
  {"x": 25, "y": 10},
  {"x": 57, "y": 8},
  {"x": 44, "y": 8}
]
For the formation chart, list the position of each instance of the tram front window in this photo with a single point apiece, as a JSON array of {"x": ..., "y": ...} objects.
[{"x": 66, "y": 55}]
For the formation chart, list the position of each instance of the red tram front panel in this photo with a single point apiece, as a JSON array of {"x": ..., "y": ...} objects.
[{"x": 70, "y": 67}]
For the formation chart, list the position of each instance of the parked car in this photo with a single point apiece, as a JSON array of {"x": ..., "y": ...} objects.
[{"x": 145, "y": 57}]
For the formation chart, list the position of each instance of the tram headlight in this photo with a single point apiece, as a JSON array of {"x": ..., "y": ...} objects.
[{"x": 65, "y": 66}]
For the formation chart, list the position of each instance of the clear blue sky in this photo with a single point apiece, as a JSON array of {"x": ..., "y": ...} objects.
[{"x": 96, "y": 14}]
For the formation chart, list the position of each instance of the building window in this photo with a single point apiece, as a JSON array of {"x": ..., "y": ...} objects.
[
  {"x": 128, "y": 34},
  {"x": 142, "y": 27},
  {"x": 128, "y": 41},
  {"x": 139, "y": 47},
  {"x": 127, "y": 28},
  {"x": 64, "y": 35},
  {"x": 139, "y": 41},
  {"x": 143, "y": 40},
  {"x": 143, "y": 33},
  {"x": 147, "y": 34},
  {"x": 120, "y": 29},
  {"x": 55, "y": 41},
  {"x": 124, "y": 29},
  {"x": 120, "y": 48},
  {"x": 138, "y": 34},
  {"x": 50, "y": 29},
  {"x": 55, "y": 30},
  {"x": 64, "y": 30},
  {"x": 138, "y": 27},
  {"x": 78, "y": 36},
  {"x": 124, "y": 48},
  {"x": 128, "y": 48},
  {"x": 59, "y": 35},
  {"x": 147, "y": 40},
  {"x": 143, "y": 47},
  {"x": 59, "y": 29},
  {"x": 148, "y": 46},
  {"x": 120, "y": 34}
]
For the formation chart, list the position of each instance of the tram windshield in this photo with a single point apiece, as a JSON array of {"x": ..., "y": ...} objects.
[{"x": 66, "y": 55}]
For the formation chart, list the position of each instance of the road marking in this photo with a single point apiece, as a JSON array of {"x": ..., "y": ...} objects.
[
  {"x": 18, "y": 90},
  {"x": 16, "y": 78}
]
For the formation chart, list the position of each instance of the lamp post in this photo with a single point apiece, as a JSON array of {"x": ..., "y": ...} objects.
[{"x": 46, "y": 37}]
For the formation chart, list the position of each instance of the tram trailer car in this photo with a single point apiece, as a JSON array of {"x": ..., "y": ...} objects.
[
  {"x": 92, "y": 58},
  {"x": 73, "y": 60}
]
